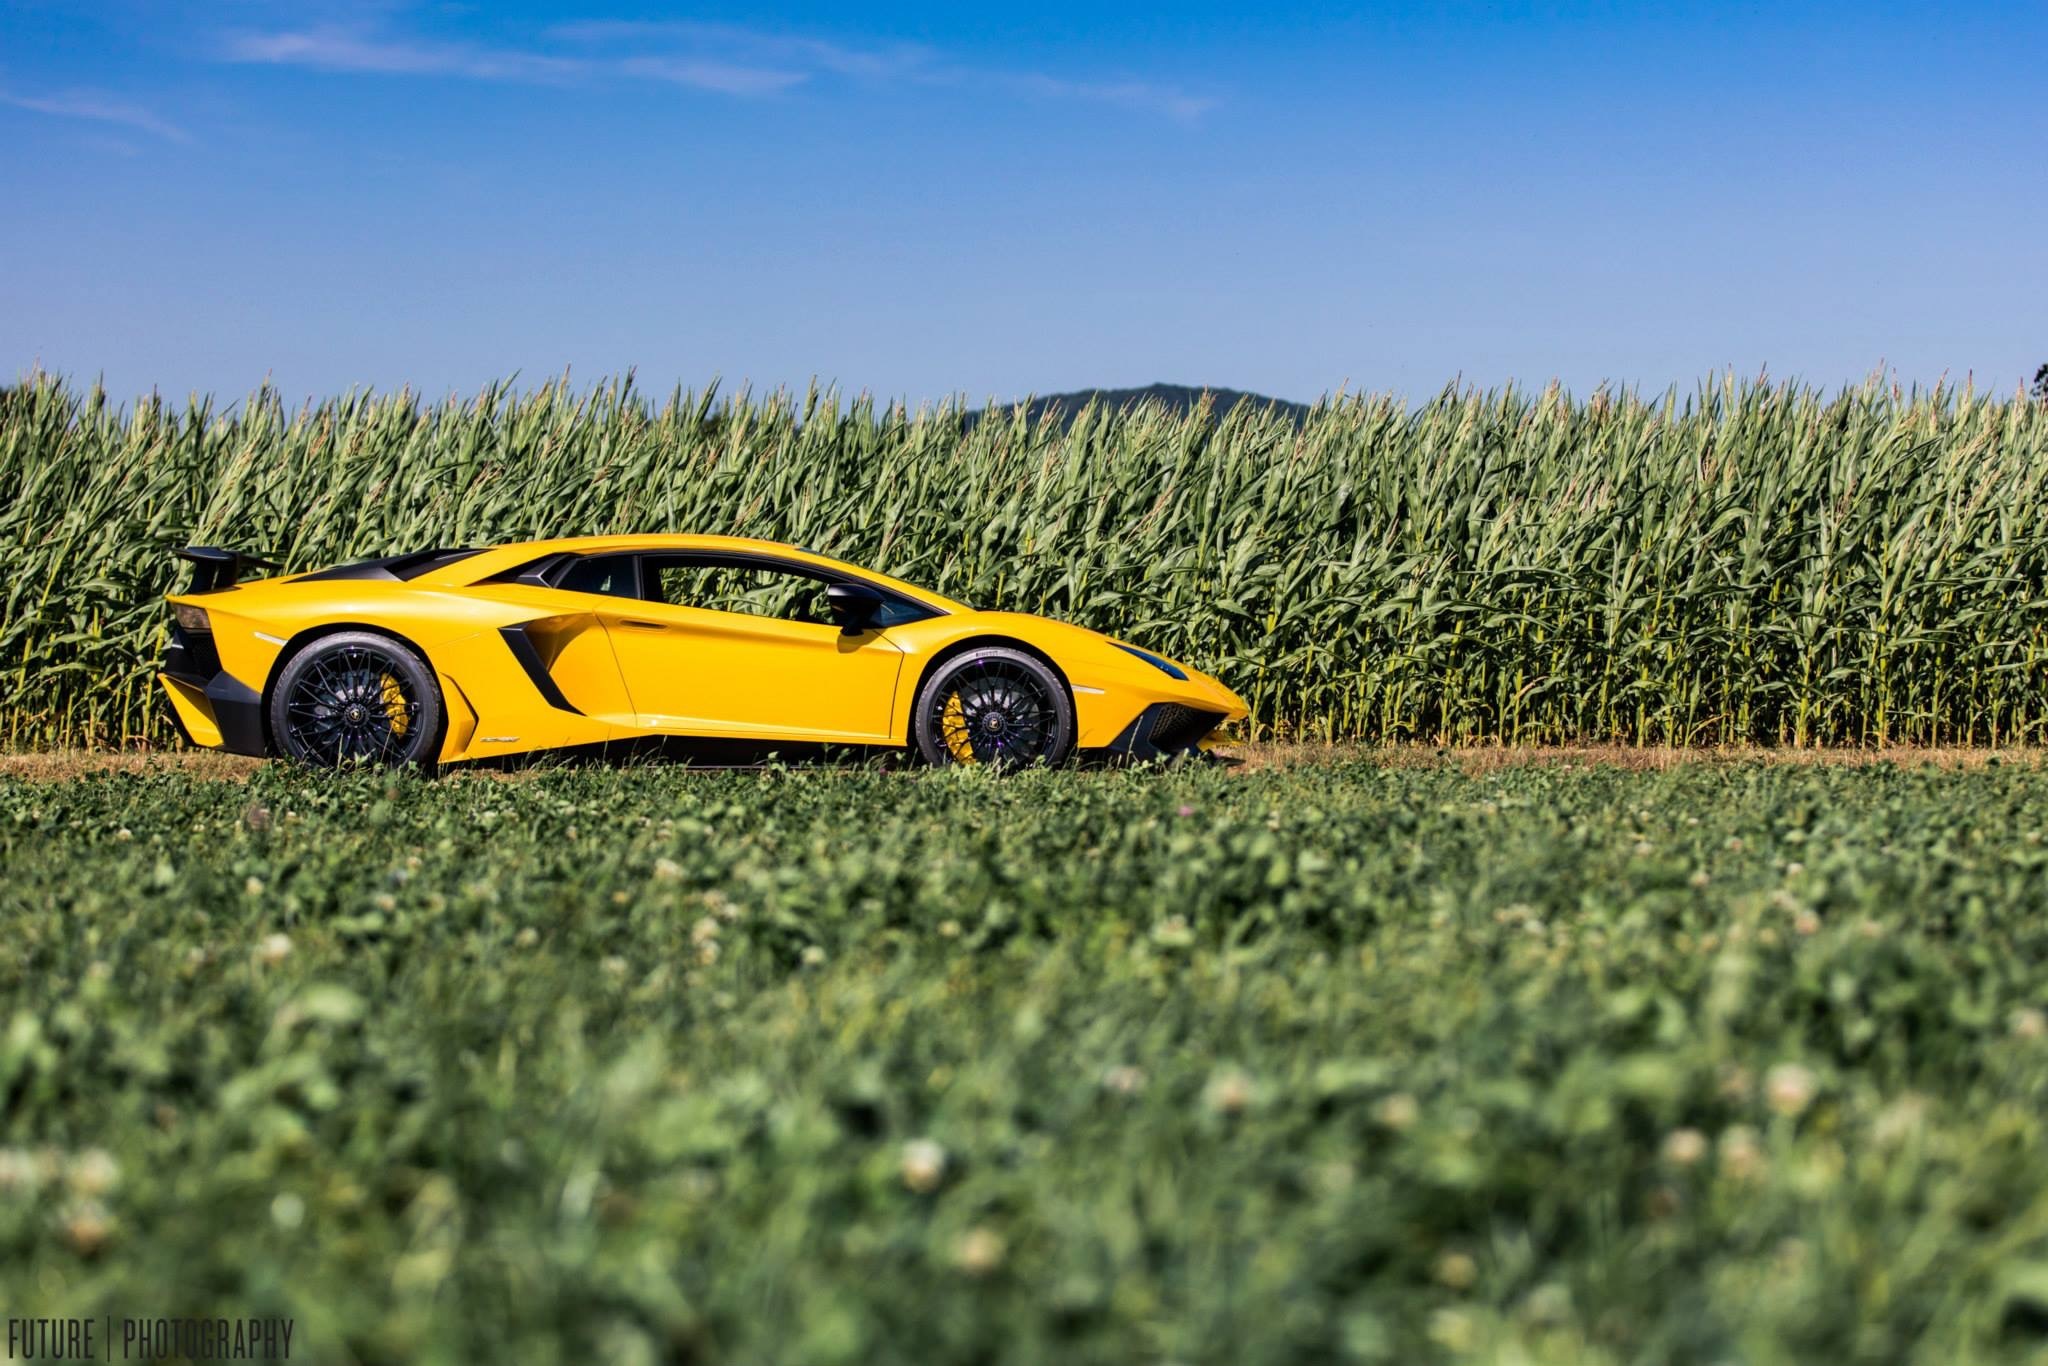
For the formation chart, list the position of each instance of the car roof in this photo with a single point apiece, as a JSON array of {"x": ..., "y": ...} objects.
[{"x": 497, "y": 559}]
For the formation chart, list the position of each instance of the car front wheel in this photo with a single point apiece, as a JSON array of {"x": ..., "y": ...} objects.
[{"x": 994, "y": 706}]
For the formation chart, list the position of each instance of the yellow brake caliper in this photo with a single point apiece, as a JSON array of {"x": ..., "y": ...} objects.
[
  {"x": 953, "y": 730},
  {"x": 393, "y": 698}
]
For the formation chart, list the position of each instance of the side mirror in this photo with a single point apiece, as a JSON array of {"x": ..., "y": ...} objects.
[{"x": 854, "y": 606}]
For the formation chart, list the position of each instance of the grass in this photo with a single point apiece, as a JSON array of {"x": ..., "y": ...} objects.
[
  {"x": 1746, "y": 564},
  {"x": 1243, "y": 757},
  {"x": 1318, "y": 1061}
]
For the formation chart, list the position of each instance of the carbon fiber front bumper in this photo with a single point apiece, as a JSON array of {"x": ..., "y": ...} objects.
[{"x": 1163, "y": 730}]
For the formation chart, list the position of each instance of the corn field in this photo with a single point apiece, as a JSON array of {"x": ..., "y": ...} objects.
[{"x": 1746, "y": 563}]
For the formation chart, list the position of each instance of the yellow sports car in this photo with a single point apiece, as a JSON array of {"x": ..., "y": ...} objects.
[{"x": 449, "y": 655}]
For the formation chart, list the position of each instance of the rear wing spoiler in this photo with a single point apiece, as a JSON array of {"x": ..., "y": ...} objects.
[{"x": 214, "y": 568}]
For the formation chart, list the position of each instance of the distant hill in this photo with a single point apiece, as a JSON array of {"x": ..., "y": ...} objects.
[{"x": 1177, "y": 398}]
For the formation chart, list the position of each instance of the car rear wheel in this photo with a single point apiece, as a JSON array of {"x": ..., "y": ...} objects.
[
  {"x": 356, "y": 697},
  {"x": 994, "y": 706}
]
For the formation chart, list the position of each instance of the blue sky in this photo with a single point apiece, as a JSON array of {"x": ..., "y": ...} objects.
[{"x": 927, "y": 200}]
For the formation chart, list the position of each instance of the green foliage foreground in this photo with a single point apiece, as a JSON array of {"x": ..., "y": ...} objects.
[
  {"x": 1751, "y": 563},
  {"x": 1331, "y": 1064}
]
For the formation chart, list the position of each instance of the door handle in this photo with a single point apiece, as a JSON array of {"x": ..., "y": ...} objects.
[{"x": 631, "y": 624}]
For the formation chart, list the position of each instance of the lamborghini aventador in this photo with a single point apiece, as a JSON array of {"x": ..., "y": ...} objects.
[{"x": 442, "y": 656}]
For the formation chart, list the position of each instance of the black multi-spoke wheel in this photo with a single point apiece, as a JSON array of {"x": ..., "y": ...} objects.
[
  {"x": 994, "y": 706},
  {"x": 355, "y": 698}
]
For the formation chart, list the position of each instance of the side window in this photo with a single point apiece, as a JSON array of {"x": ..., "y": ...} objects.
[
  {"x": 752, "y": 590},
  {"x": 608, "y": 574}
]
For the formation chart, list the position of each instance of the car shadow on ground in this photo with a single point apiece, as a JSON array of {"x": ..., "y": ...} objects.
[{"x": 720, "y": 755}]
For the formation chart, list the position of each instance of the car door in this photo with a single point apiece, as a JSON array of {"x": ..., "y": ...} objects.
[{"x": 719, "y": 644}]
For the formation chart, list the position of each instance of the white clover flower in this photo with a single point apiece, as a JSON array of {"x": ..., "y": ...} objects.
[
  {"x": 1550, "y": 1302},
  {"x": 1900, "y": 1120},
  {"x": 924, "y": 1165},
  {"x": 87, "y": 1226},
  {"x": 1229, "y": 1092},
  {"x": 1454, "y": 1330},
  {"x": 1398, "y": 1112},
  {"x": 93, "y": 1172},
  {"x": 1742, "y": 1156},
  {"x": 1124, "y": 1080},
  {"x": 17, "y": 1172},
  {"x": 1684, "y": 1147},
  {"x": 287, "y": 1211},
  {"x": 1789, "y": 1088},
  {"x": 979, "y": 1251}
]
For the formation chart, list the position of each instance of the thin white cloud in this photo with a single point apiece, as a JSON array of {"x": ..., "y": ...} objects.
[
  {"x": 725, "y": 78},
  {"x": 723, "y": 59},
  {"x": 98, "y": 108},
  {"x": 756, "y": 45},
  {"x": 902, "y": 62},
  {"x": 1132, "y": 94},
  {"x": 331, "y": 49}
]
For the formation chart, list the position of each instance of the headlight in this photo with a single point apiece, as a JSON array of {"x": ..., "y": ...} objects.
[
  {"x": 1166, "y": 667},
  {"x": 191, "y": 618}
]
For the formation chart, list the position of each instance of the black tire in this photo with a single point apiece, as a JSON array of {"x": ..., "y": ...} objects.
[
  {"x": 993, "y": 705},
  {"x": 356, "y": 697}
]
